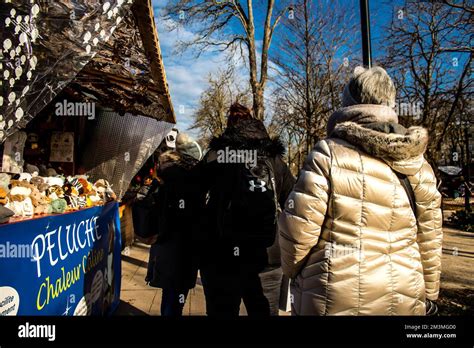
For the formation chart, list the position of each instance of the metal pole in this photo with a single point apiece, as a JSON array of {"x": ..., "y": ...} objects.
[
  {"x": 467, "y": 176},
  {"x": 365, "y": 29}
]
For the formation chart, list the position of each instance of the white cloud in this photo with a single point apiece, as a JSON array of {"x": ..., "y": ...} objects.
[{"x": 187, "y": 75}]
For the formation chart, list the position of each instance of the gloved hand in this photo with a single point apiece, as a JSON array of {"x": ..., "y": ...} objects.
[{"x": 431, "y": 308}]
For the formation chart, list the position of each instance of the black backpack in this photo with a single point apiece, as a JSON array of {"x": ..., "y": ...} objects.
[{"x": 250, "y": 212}]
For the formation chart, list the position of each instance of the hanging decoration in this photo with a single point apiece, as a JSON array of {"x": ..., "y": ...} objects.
[{"x": 43, "y": 46}]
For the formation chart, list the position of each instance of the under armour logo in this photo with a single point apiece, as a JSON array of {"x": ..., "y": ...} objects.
[{"x": 259, "y": 185}]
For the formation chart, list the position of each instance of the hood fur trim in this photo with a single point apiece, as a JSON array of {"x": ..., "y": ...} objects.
[
  {"x": 248, "y": 134},
  {"x": 172, "y": 158},
  {"x": 362, "y": 114},
  {"x": 271, "y": 147},
  {"x": 386, "y": 146}
]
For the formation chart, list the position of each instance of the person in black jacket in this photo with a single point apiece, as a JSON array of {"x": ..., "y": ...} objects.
[
  {"x": 179, "y": 199},
  {"x": 234, "y": 253}
]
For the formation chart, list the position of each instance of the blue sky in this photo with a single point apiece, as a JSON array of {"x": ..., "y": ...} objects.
[{"x": 187, "y": 75}]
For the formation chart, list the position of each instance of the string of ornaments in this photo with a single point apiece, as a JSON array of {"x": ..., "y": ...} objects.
[{"x": 18, "y": 62}]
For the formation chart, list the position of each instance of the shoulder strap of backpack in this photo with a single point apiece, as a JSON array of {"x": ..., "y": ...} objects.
[
  {"x": 408, "y": 189},
  {"x": 273, "y": 178}
]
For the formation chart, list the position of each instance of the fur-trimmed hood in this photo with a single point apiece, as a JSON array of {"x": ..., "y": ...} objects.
[
  {"x": 172, "y": 159},
  {"x": 249, "y": 135},
  {"x": 401, "y": 148}
]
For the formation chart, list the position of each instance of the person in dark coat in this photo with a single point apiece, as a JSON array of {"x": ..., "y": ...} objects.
[
  {"x": 230, "y": 266},
  {"x": 179, "y": 199}
]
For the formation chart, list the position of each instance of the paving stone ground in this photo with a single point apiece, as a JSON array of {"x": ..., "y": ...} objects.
[{"x": 139, "y": 299}]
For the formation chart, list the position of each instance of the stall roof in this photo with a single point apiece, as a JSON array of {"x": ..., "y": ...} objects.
[
  {"x": 127, "y": 74},
  {"x": 107, "y": 51}
]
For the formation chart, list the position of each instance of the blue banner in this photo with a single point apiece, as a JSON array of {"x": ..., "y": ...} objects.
[{"x": 66, "y": 264}]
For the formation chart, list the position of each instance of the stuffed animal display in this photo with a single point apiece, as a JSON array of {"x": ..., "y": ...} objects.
[{"x": 28, "y": 194}]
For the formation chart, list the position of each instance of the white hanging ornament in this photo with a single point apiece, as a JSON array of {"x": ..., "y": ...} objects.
[
  {"x": 18, "y": 19},
  {"x": 109, "y": 14},
  {"x": 102, "y": 33},
  {"x": 10, "y": 123},
  {"x": 87, "y": 37},
  {"x": 2, "y": 124},
  {"x": 105, "y": 7},
  {"x": 18, "y": 72},
  {"x": 23, "y": 38},
  {"x": 23, "y": 59},
  {"x": 115, "y": 11},
  {"x": 95, "y": 41},
  {"x": 17, "y": 29},
  {"x": 33, "y": 61},
  {"x": 6, "y": 45},
  {"x": 25, "y": 90},
  {"x": 88, "y": 49},
  {"x": 7, "y": 22},
  {"x": 97, "y": 27},
  {"x": 118, "y": 20},
  {"x": 11, "y": 98},
  {"x": 27, "y": 19},
  {"x": 12, "y": 13},
  {"x": 17, "y": 102},
  {"x": 18, "y": 50},
  {"x": 28, "y": 75},
  {"x": 12, "y": 82},
  {"x": 12, "y": 54},
  {"x": 119, "y": 3},
  {"x": 6, "y": 74},
  {"x": 1, "y": 100},
  {"x": 35, "y": 10},
  {"x": 19, "y": 114},
  {"x": 34, "y": 34},
  {"x": 112, "y": 29}
]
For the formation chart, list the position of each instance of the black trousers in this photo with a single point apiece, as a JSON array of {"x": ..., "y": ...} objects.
[
  {"x": 172, "y": 302},
  {"x": 224, "y": 290}
]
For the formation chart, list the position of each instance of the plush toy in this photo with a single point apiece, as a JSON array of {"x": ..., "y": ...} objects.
[
  {"x": 58, "y": 206},
  {"x": 105, "y": 190},
  {"x": 41, "y": 203},
  {"x": 86, "y": 186},
  {"x": 93, "y": 198},
  {"x": 3, "y": 196},
  {"x": 51, "y": 172},
  {"x": 25, "y": 177},
  {"x": 77, "y": 183},
  {"x": 40, "y": 183},
  {"x": 55, "y": 181},
  {"x": 55, "y": 192},
  {"x": 31, "y": 169},
  {"x": 19, "y": 200},
  {"x": 5, "y": 180},
  {"x": 71, "y": 196},
  {"x": 4, "y": 184},
  {"x": 5, "y": 214}
]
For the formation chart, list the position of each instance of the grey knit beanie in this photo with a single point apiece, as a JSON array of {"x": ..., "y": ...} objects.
[
  {"x": 186, "y": 145},
  {"x": 369, "y": 86}
]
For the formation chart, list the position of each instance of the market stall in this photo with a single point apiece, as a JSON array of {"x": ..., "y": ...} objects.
[{"x": 84, "y": 104}]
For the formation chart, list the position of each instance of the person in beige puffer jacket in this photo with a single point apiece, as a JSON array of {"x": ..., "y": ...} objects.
[{"x": 349, "y": 238}]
